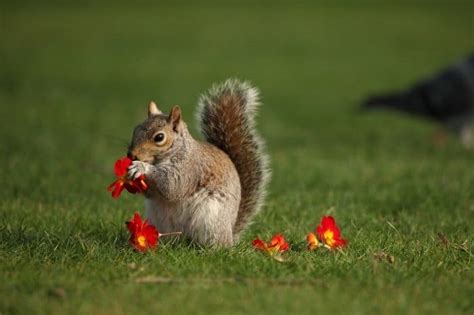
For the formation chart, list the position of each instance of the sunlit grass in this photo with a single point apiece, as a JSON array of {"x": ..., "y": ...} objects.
[{"x": 74, "y": 80}]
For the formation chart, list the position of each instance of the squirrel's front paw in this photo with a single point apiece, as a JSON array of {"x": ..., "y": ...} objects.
[{"x": 137, "y": 169}]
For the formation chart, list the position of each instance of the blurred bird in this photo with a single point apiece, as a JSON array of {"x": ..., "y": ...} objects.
[{"x": 447, "y": 97}]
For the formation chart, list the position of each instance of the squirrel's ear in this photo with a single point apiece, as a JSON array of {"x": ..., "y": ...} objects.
[
  {"x": 153, "y": 109},
  {"x": 175, "y": 116}
]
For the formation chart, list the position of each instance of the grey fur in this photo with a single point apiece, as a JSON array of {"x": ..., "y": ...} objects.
[
  {"x": 226, "y": 115},
  {"x": 196, "y": 187}
]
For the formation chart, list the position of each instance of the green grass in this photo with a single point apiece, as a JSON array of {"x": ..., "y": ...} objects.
[{"x": 74, "y": 80}]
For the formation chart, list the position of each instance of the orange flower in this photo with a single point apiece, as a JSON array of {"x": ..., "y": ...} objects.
[
  {"x": 277, "y": 244},
  {"x": 143, "y": 236},
  {"x": 137, "y": 185},
  {"x": 312, "y": 240},
  {"x": 329, "y": 233}
]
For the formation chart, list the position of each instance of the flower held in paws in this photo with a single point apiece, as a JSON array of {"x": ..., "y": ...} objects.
[
  {"x": 144, "y": 236},
  {"x": 328, "y": 234},
  {"x": 134, "y": 186}
]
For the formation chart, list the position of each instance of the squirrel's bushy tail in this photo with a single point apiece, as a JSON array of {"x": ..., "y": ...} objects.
[{"x": 226, "y": 117}]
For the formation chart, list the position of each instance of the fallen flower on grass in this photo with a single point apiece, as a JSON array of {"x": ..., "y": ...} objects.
[
  {"x": 327, "y": 235},
  {"x": 313, "y": 241},
  {"x": 122, "y": 182},
  {"x": 144, "y": 236},
  {"x": 274, "y": 248},
  {"x": 277, "y": 244}
]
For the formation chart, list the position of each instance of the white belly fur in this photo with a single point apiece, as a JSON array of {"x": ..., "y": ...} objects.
[{"x": 206, "y": 219}]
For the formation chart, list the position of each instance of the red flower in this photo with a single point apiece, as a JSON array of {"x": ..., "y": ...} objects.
[
  {"x": 121, "y": 166},
  {"x": 137, "y": 185},
  {"x": 277, "y": 244},
  {"x": 143, "y": 236},
  {"x": 329, "y": 233}
]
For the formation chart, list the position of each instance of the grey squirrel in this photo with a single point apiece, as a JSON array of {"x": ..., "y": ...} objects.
[{"x": 208, "y": 190}]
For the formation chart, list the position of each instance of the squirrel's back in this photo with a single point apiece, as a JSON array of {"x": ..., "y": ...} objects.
[{"x": 226, "y": 116}]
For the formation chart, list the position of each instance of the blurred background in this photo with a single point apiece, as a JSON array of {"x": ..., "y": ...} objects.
[{"x": 76, "y": 77}]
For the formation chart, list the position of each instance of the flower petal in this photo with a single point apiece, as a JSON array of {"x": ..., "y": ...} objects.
[
  {"x": 259, "y": 244},
  {"x": 277, "y": 239},
  {"x": 151, "y": 235},
  {"x": 277, "y": 244},
  {"x": 131, "y": 187},
  {"x": 139, "y": 242},
  {"x": 338, "y": 242},
  {"x": 140, "y": 183},
  {"x": 312, "y": 241},
  {"x": 121, "y": 166},
  {"x": 137, "y": 185},
  {"x": 329, "y": 233},
  {"x": 135, "y": 225},
  {"x": 143, "y": 236},
  {"x": 116, "y": 188}
]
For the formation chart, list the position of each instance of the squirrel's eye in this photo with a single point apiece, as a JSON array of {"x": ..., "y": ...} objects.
[{"x": 159, "y": 138}]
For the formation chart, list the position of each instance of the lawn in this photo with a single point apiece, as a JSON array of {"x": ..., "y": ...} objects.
[{"x": 75, "y": 79}]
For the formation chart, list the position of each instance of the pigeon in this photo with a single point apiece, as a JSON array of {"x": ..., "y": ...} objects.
[{"x": 446, "y": 97}]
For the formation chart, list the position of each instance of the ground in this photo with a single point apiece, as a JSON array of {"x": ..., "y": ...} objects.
[{"x": 75, "y": 79}]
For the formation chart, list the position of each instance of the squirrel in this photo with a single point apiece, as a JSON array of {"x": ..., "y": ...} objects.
[{"x": 210, "y": 191}]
